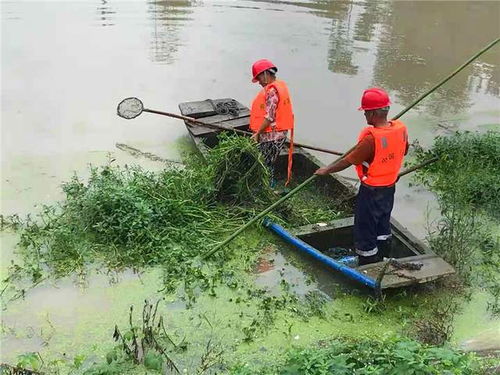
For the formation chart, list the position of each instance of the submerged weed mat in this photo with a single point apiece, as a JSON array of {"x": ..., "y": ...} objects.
[{"x": 129, "y": 217}]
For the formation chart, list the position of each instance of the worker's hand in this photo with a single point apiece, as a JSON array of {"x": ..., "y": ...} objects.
[
  {"x": 322, "y": 171},
  {"x": 255, "y": 137}
]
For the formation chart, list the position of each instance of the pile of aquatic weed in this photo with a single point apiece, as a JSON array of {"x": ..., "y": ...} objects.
[
  {"x": 394, "y": 355},
  {"x": 130, "y": 217}
]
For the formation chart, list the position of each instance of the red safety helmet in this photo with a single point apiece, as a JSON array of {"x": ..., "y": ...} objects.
[
  {"x": 261, "y": 66},
  {"x": 374, "y": 98}
]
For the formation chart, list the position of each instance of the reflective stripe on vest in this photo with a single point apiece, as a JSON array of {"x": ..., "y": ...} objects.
[
  {"x": 390, "y": 147},
  {"x": 284, "y": 110}
]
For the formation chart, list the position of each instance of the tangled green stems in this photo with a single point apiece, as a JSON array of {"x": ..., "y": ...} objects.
[{"x": 129, "y": 217}]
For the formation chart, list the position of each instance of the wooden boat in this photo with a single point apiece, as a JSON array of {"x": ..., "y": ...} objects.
[{"x": 316, "y": 239}]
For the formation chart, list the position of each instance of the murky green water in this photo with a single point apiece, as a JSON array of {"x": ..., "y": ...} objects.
[{"x": 66, "y": 65}]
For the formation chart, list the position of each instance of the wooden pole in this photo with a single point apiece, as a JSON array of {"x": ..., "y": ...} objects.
[{"x": 218, "y": 125}]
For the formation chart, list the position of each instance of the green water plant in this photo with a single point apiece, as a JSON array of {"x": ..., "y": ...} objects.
[
  {"x": 466, "y": 180},
  {"x": 129, "y": 217},
  {"x": 393, "y": 355},
  {"x": 468, "y": 170}
]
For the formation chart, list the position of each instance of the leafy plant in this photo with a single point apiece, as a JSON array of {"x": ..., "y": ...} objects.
[
  {"x": 467, "y": 172},
  {"x": 466, "y": 179},
  {"x": 395, "y": 355},
  {"x": 129, "y": 217}
]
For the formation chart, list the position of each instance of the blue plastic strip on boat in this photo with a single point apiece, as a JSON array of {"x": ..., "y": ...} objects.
[{"x": 347, "y": 271}]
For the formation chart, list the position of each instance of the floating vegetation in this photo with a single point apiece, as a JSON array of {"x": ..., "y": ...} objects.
[
  {"x": 395, "y": 355},
  {"x": 437, "y": 327},
  {"x": 129, "y": 217}
]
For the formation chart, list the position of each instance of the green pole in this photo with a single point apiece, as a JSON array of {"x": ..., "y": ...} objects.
[
  {"x": 450, "y": 76},
  {"x": 310, "y": 179}
]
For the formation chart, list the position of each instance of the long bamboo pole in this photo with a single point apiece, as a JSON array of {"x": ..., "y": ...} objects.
[
  {"x": 406, "y": 171},
  {"x": 313, "y": 177}
]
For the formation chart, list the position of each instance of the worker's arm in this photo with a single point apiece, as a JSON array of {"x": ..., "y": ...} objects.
[
  {"x": 363, "y": 151},
  {"x": 334, "y": 167},
  {"x": 263, "y": 127}
]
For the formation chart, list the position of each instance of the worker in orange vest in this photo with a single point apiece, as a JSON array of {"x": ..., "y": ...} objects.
[
  {"x": 271, "y": 115},
  {"x": 378, "y": 157}
]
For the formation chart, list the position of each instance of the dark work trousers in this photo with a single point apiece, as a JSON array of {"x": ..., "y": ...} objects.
[{"x": 372, "y": 228}]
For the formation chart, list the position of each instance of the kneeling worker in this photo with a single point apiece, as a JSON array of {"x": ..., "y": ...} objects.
[
  {"x": 378, "y": 157},
  {"x": 271, "y": 115}
]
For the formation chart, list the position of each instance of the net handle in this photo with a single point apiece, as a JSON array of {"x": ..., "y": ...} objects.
[{"x": 218, "y": 126}]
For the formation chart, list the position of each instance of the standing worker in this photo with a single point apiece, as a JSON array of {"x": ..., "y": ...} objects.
[
  {"x": 378, "y": 157},
  {"x": 271, "y": 116}
]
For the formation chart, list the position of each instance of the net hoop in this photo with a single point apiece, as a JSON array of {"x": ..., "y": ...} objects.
[{"x": 130, "y": 108}]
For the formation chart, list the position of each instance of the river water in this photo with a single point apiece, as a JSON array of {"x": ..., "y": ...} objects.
[{"x": 66, "y": 65}]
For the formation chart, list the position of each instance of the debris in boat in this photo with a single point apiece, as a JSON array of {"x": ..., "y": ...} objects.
[
  {"x": 412, "y": 266},
  {"x": 239, "y": 172}
]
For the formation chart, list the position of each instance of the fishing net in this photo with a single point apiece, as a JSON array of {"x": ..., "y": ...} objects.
[{"x": 130, "y": 108}]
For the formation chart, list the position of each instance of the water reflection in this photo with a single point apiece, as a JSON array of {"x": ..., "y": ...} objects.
[
  {"x": 105, "y": 14},
  {"x": 340, "y": 53},
  {"x": 485, "y": 78},
  {"x": 415, "y": 44},
  {"x": 412, "y": 57},
  {"x": 168, "y": 17}
]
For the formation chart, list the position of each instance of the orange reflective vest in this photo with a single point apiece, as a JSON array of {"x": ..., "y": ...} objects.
[
  {"x": 284, "y": 115},
  {"x": 284, "y": 111},
  {"x": 390, "y": 148}
]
